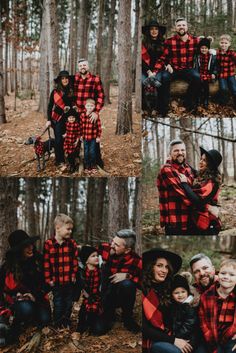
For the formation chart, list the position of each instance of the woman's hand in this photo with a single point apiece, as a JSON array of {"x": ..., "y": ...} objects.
[
  {"x": 29, "y": 296},
  {"x": 48, "y": 123},
  {"x": 234, "y": 347},
  {"x": 183, "y": 345},
  {"x": 150, "y": 73},
  {"x": 169, "y": 68},
  {"x": 183, "y": 178}
]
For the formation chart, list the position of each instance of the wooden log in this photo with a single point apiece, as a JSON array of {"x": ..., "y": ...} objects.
[{"x": 178, "y": 88}]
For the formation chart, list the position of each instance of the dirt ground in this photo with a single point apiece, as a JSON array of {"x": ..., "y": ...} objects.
[{"x": 121, "y": 154}]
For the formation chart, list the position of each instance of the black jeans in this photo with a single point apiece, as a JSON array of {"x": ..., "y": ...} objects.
[
  {"x": 59, "y": 128},
  {"x": 62, "y": 304},
  {"x": 94, "y": 322}
]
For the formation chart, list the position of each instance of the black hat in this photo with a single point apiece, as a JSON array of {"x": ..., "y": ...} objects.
[
  {"x": 204, "y": 42},
  {"x": 19, "y": 239},
  {"x": 155, "y": 253},
  {"x": 180, "y": 281},
  {"x": 213, "y": 156},
  {"x": 153, "y": 23},
  {"x": 85, "y": 252},
  {"x": 61, "y": 74},
  {"x": 71, "y": 112}
]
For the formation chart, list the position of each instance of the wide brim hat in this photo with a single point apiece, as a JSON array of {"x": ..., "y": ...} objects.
[
  {"x": 155, "y": 253},
  {"x": 20, "y": 239},
  {"x": 214, "y": 157},
  {"x": 154, "y": 23},
  {"x": 61, "y": 74}
]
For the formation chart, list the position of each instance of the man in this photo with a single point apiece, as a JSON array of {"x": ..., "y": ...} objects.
[
  {"x": 122, "y": 273},
  {"x": 178, "y": 61},
  {"x": 173, "y": 203},
  {"x": 87, "y": 86}
]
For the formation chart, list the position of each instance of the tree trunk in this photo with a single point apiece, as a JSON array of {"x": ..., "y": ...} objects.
[
  {"x": 138, "y": 86},
  {"x": 109, "y": 55},
  {"x": 8, "y": 211},
  {"x": 83, "y": 28},
  {"x": 73, "y": 37},
  {"x": 99, "y": 46},
  {"x": 118, "y": 205},
  {"x": 6, "y": 46},
  {"x": 2, "y": 102},
  {"x": 30, "y": 198},
  {"x": 124, "y": 116},
  {"x": 137, "y": 216},
  {"x": 224, "y": 150},
  {"x": 233, "y": 149},
  {"x": 186, "y": 137}
]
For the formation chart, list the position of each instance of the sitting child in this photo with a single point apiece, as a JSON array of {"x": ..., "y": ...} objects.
[
  {"x": 72, "y": 136},
  {"x": 91, "y": 312},
  {"x": 217, "y": 312},
  {"x": 4, "y": 326},
  {"x": 91, "y": 133},
  {"x": 206, "y": 65},
  {"x": 226, "y": 62},
  {"x": 182, "y": 316}
]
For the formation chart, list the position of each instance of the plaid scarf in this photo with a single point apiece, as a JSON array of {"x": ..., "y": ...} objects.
[
  {"x": 92, "y": 287},
  {"x": 59, "y": 105}
]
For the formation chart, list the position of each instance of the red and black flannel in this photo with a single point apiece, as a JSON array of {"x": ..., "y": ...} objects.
[
  {"x": 92, "y": 283},
  {"x": 39, "y": 146},
  {"x": 153, "y": 315},
  {"x": 226, "y": 63},
  {"x": 173, "y": 202},
  {"x": 217, "y": 317},
  {"x": 73, "y": 133},
  {"x": 58, "y": 103},
  {"x": 177, "y": 53},
  {"x": 205, "y": 74},
  {"x": 60, "y": 261},
  {"x": 128, "y": 263},
  {"x": 89, "y": 87},
  {"x": 145, "y": 55},
  {"x": 90, "y": 130}
]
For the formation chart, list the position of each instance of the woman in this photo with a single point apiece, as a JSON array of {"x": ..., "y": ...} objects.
[
  {"x": 204, "y": 194},
  {"x": 22, "y": 282},
  {"x": 152, "y": 49},
  {"x": 158, "y": 268},
  {"x": 61, "y": 99}
]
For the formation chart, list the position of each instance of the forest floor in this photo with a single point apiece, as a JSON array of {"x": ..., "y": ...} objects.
[
  {"x": 121, "y": 154},
  {"x": 151, "y": 216},
  {"x": 118, "y": 340}
]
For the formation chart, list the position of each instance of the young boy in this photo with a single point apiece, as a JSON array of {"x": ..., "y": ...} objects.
[
  {"x": 91, "y": 133},
  {"x": 226, "y": 62},
  {"x": 90, "y": 315},
  {"x": 60, "y": 268},
  {"x": 182, "y": 316},
  {"x": 217, "y": 312},
  {"x": 205, "y": 63},
  {"x": 72, "y": 136}
]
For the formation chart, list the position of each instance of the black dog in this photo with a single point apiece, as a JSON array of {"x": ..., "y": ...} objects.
[{"x": 41, "y": 148}]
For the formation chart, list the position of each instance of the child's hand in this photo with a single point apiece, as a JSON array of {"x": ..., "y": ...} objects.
[
  {"x": 51, "y": 284},
  {"x": 213, "y": 76},
  {"x": 19, "y": 296},
  {"x": 29, "y": 296},
  {"x": 81, "y": 139},
  {"x": 169, "y": 69},
  {"x": 98, "y": 139},
  {"x": 64, "y": 135},
  {"x": 84, "y": 293},
  {"x": 183, "y": 178},
  {"x": 73, "y": 280},
  {"x": 76, "y": 143}
]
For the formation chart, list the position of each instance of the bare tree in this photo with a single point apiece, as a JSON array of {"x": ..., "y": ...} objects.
[{"x": 2, "y": 102}]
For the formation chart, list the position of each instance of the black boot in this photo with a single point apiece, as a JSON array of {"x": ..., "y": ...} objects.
[{"x": 131, "y": 324}]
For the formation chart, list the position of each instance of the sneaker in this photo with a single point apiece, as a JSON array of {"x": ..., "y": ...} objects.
[{"x": 132, "y": 325}]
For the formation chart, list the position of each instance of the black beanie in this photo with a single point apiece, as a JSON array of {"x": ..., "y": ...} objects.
[
  {"x": 71, "y": 112},
  {"x": 85, "y": 252},
  {"x": 204, "y": 42},
  {"x": 180, "y": 281}
]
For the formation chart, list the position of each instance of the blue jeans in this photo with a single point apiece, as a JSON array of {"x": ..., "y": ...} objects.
[
  {"x": 227, "y": 347},
  {"x": 59, "y": 130},
  {"x": 90, "y": 154},
  {"x": 227, "y": 84},
  {"x": 192, "y": 76},
  {"x": 62, "y": 304},
  {"x": 164, "y": 347}
]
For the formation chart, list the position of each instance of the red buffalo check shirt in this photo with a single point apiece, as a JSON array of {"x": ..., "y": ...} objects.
[
  {"x": 90, "y": 130},
  {"x": 173, "y": 202},
  {"x": 226, "y": 63},
  {"x": 128, "y": 263},
  {"x": 60, "y": 261},
  {"x": 177, "y": 53},
  {"x": 73, "y": 133},
  {"x": 217, "y": 317},
  {"x": 89, "y": 87}
]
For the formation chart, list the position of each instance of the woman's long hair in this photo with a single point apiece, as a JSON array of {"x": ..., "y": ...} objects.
[
  {"x": 210, "y": 173},
  {"x": 151, "y": 44},
  {"x": 68, "y": 90},
  {"x": 163, "y": 289}
]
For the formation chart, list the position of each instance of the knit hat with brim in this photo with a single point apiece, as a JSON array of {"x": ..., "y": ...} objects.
[
  {"x": 213, "y": 156},
  {"x": 85, "y": 252},
  {"x": 180, "y": 282},
  {"x": 153, "y": 23},
  {"x": 157, "y": 253},
  {"x": 19, "y": 239}
]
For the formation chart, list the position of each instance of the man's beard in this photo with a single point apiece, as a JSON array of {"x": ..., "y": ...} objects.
[
  {"x": 181, "y": 34},
  {"x": 83, "y": 72},
  {"x": 211, "y": 281},
  {"x": 178, "y": 162}
]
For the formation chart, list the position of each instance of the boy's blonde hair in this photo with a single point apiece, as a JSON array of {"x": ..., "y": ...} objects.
[
  {"x": 228, "y": 263},
  {"x": 90, "y": 100},
  {"x": 61, "y": 219},
  {"x": 226, "y": 37}
]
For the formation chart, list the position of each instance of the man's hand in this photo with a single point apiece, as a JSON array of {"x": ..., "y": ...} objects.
[
  {"x": 234, "y": 347},
  {"x": 29, "y": 296},
  {"x": 93, "y": 117},
  {"x": 214, "y": 210},
  {"x": 48, "y": 123},
  {"x": 98, "y": 139},
  {"x": 213, "y": 76},
  {"x": 183, "y": 345},
  {"x": 169, "y": 69},
  {"x": 183, "y": 178},
  {"x": 118, "y": 277},
  {"x": 51, "y": 284}
]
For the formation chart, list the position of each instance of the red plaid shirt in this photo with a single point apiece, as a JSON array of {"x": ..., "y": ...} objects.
[
  {"x": 90, "y": 130},
  {"x": 205, "y": 74},
  {"x": 73, "y": 133},
  {"x": 92, "y": 283},
  {"x": 89, "y": 87},
  {"x": 177, "y": 53},
  {"x": 60, "y": 261},
  {"x": 216, "y": 313},
  {"x": 226, "y": 63},
  {"x": 173, "y": 203},
  {"x": 128, "y": 263}
]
